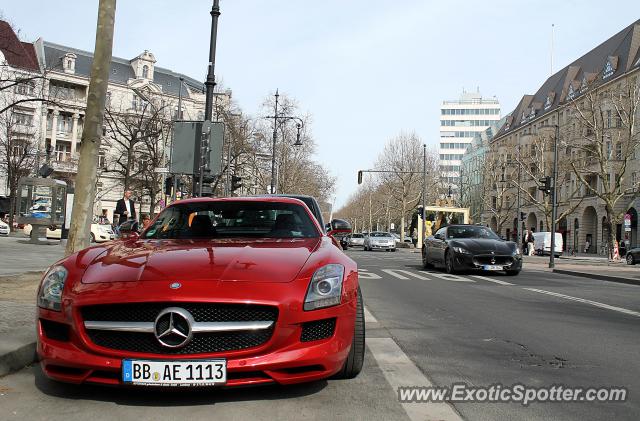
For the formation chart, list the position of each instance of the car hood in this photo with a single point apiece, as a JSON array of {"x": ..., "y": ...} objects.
[
  {"x": 483, "y": 245},
  {"x": 184, "y": 260}
]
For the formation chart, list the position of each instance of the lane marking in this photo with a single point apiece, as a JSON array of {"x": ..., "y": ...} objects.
[
  {"x": 365, "y": 274},
  {"x": 368, "y": 317},
  {"x": 448, "y": 277},
  {"x": 582, "y": 300},
  {"x": 497, "y": 281},
  {"x": 397, "y": 273},
  {"x": 399, "y": 371}
]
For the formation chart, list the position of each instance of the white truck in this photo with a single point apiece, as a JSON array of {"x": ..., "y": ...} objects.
[{"x": 542, "y": 243}]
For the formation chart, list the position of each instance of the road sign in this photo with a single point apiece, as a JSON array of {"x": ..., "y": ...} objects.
[
  {"x": 161, "y": 170},
  {"x": 627, "y": 222}
]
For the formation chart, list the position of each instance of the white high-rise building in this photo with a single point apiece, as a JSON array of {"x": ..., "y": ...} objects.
[{"x": 460, "y": 121}]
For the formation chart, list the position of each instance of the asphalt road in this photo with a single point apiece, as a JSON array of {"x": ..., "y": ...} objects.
[
  {"x": 508, "y": 330},
  {"x": 422, "y": 327}
]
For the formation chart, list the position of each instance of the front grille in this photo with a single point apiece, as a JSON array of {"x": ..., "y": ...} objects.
[
  {"x": 316, "y": 330},
  {"x": 201, "y": 312},
  {"x": 493, "y": 260},
  {"x": 203, "y": 342},
  {"x": 200, "y": 344}
]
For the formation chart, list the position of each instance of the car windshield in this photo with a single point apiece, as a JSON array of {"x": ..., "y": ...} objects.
[
  {"x": 471, "y": 232},
  {"x": 229, "y": 219},
  {"x": 380, "y": 234}
]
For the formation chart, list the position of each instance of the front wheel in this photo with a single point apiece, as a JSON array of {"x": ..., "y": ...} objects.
[
  {"x": 630, "y": 259},
  {"x": 450, "y": 264},
  {"x": 353, "y": 364},
  {"x": 425, "y": 261}
]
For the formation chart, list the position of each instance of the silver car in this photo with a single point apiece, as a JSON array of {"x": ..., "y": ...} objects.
[
  {"x": 4, "y": 228},
  {"x": 356, "y": 240},
  {"x": 379, "y": 241}
]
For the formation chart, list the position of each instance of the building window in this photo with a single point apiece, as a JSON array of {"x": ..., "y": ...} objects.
[
  {"x": 145, "y": 71},
  {"x": 102, "y": 159},
  {"x": 608, "y": 120},
  {"x": 23, "y": 119},
  {"x": 25, "y": 88}
]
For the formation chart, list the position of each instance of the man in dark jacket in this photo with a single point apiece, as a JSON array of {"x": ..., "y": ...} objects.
[{"x": 125, "y": 207}]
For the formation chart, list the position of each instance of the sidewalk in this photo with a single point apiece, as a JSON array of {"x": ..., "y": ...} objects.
[
  {"x": 17, "y": 325},
  {"x": 594, "y": 268}
]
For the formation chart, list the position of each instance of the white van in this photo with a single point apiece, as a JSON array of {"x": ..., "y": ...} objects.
[{"x": 542, "y": 243}]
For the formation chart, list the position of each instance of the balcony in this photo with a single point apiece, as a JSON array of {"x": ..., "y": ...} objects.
[{"x": 65, "y": 164}]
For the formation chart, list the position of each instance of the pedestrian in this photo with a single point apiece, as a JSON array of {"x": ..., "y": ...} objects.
[
  {"x": 146, "y": 220},
  {"x": 587, "y": 246},
  {"x": 125, "y": 207},
  {"x": 414, "y": 237},
  {"x": 530, "y": 242},
  {"x": 623, "y": 248},
  {"x": 103, "y": 219}
]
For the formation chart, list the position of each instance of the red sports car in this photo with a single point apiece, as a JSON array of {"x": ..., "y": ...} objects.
[{"x": 235, "y": 291}]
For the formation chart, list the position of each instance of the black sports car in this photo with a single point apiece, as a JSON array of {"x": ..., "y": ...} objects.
[
  {"x": 633, "y": 256},
  {"x": 471, "y": 247}
]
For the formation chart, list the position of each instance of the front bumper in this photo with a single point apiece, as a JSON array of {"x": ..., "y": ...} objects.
[
  {"x": 474, "y": 262},
  {"x": 283, "y": 359},
  {"x": 382, "y": 246}
]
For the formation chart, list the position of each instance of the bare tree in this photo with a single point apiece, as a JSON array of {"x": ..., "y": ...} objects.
[
  {"x": 18, "y": 150},
  {"x": 604, "y": 145}
]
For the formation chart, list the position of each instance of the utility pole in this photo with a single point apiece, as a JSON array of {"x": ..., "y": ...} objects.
[
  {"x": 91, "y": 135},
  {"x": 273, "y": 151},
  {"x": 421, "y": 218}
]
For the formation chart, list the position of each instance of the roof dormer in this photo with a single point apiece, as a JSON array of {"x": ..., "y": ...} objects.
[
  {"x": 143, "y": 65},
  {"x": 69, "y": 63},
  {"x": 610, "y": 67}
]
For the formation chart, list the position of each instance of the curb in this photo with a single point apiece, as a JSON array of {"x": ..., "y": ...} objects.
[
  {"x": 600, "y": 277},
  {"x": 21, "y": 355}
]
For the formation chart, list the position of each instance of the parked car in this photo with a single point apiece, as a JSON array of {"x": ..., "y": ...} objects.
[
  {"x": 407, "y": 239},
  {"x": 242, "y": 291},
  {"x": 379, "y": 240},
  {"x": 542, "y": 243},
  {"x": 99, "y": 233},
  {"x": 467, "y": 247},
  {"x": 4, "y": 228},
  {"x": 356, "y": 240},
  {"x": 633, "y": 256}
]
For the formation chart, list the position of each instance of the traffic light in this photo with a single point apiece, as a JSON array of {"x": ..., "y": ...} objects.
[
  {"x": 420, "y": 211},
  {"x": 235, "y": 183},
  {"x": 168, "y": 184},
  {"x": 545, "y": 184},
  {"x": 522, "y": 216},
  {"x": 359, "y": 177}
]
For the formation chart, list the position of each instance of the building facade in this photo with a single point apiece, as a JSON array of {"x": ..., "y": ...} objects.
[
  {"x": 135, "y": 85},
  {"x": 587, "y": 111},
  {"x": 460, "y": 121}
]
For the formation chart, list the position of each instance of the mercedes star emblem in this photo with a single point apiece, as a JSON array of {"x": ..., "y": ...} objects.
[{"x": 173, "y": 327}]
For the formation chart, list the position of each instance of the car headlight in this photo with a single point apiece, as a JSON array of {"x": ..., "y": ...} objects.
[
  {"x": 325, "y": 288},
  {"x": 461, "y": 250},
  {"x": 517, "y": 251},
  {"x": 50, "y": 295}
]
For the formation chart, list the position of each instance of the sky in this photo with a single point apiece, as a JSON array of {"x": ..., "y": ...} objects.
[{"x": 365, "y": 70}]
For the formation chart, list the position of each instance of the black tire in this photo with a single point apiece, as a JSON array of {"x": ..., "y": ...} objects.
[
  {"x": 425, "y": 263},
  {"x": 449, "y": 263},
  {"x": 513, "y": 272},
  {"x": 393, "y": 250},
  {"x": 353, "y": 364},
  {"x": 630, "y": 259}
]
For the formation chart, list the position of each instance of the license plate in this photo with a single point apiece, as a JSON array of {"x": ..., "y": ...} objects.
[
  {"x": 174, "y": 373},
  {"x": 492, "y": 267}
]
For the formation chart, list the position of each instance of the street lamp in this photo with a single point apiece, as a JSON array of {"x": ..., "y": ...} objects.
[{"x": 277, "y": 121}]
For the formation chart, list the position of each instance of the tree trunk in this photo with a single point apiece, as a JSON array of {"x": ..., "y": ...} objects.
[
  {"x": 611, "y": 235},
  {"x": 91, "y": 135}
]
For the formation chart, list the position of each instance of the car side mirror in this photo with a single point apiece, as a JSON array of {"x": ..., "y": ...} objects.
[{"x": 339, "y": 226}]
